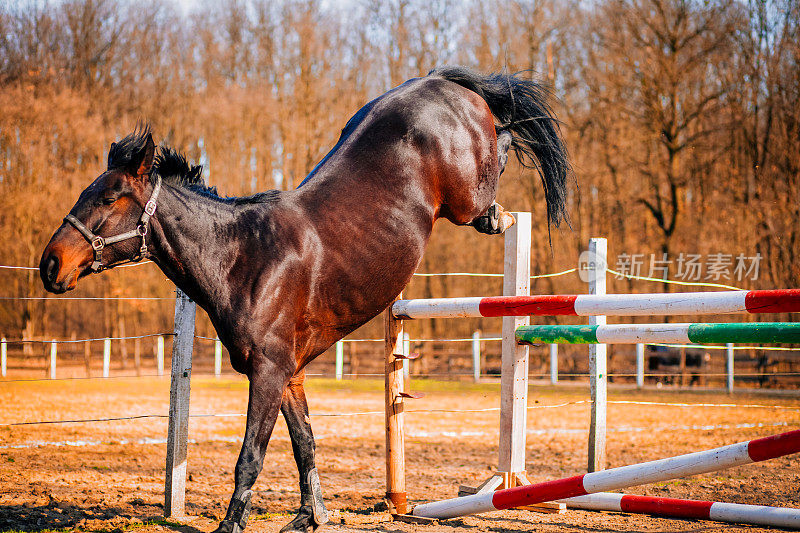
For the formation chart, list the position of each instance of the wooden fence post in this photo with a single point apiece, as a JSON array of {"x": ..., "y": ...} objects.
[
  {"x": 407, "y": 353},
  {"x": 553, "y": 364},
  {"x": 476, "y": 356},
  {"x": 178, "y": 432},
  {"x": 106, "y": 357},
  {"x": 53, "y": 355},
  {"x": 395, "y": 440},
  {"x": 339, "y": 372},
  {"x": 160, "y": 355},
  {"x": 639, "y": 366},
  {"x": 598, "y": 252},
  {"x": 217, "y": 358}
]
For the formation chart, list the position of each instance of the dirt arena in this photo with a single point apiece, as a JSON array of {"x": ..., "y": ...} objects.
[{"x": 109, "y": 476}]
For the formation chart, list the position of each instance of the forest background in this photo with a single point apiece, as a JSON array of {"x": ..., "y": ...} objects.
[{"x": 682, "y": 119}]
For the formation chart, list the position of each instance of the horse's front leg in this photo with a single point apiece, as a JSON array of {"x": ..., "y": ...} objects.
[
  {"x": 312, "y": 511},
  {"x": 268, "y": 378}
]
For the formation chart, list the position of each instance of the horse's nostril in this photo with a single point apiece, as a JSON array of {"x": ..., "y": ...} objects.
[{"x": 51, "y": 270}]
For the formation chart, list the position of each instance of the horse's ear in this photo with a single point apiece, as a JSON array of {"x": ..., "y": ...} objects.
[
  {"x": 110, "y": 154},
  {"x": 142, "y": 162}
]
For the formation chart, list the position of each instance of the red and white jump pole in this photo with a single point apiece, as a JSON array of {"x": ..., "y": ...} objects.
[
  {"x": 617, "y": 478},
  {"x": 690, "y": 303},
  {"x": 736, "y": 513}
]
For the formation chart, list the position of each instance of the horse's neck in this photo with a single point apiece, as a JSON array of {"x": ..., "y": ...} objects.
[{"x": 185, "y": 243}]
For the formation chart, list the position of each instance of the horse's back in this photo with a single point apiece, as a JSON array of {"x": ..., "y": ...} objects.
[{"x": 428, "y": 133}]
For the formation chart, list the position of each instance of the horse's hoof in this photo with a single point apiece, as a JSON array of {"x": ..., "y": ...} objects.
[
  {"x": 228, "y": 526},
  {"x": 506, "y": 221},
  {"x": 303, "y": 523},
  {"x": 495, "y": 221}
]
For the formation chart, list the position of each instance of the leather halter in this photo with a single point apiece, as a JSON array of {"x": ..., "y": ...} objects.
[{"x": 98, "y": 243}]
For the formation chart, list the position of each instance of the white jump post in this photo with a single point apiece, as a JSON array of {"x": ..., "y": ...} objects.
[
  {"x": 53, "y": 355},
  {"x": 514, "y": 363},
  {"x": 598, "y": 252},
  {"x": 729, "y": 365},
  {"x": 395, "y": 438},
  {"x": 639, "y": 365},
  {"x": 553, "y": 364},
  {"x": 106, "y": 357},
  {"x": 178, "y": 432},
  {"x": 339, "y": 360},
  {"x": 160, "y": 355},
  {"x": 3, "y": 356},
  {"x": 476, "y": 356},
  {"x": 217, "y": 358}
]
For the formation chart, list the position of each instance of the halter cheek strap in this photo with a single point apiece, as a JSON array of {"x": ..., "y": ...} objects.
[{"x": 98, "y": 243}]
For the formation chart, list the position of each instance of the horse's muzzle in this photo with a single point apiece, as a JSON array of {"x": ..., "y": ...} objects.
[
  {"x": 60, "y": 267},
  {"x": 49, "y": 268}
]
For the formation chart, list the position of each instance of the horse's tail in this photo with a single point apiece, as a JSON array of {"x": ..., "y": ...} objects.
[{"x": 521, "y": 106}]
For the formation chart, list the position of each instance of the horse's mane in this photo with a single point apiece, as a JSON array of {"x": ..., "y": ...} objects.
[{"x": 174, "y": 169}]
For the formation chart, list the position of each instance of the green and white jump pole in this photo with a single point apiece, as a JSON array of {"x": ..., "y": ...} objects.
[{"x": 748, "y": 332}]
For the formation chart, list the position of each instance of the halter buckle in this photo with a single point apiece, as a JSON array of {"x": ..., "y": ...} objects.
[
  {"x": 98, "y": 243},
  {"x": 150, "y": 207}
]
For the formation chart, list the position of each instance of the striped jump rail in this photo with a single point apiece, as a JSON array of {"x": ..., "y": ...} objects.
[
  {"x": 753, "y": 332},
  {"x": 617, "y": 478},
  {"x": 735, "y": 513},
  {"x": 770, "y": 301}
]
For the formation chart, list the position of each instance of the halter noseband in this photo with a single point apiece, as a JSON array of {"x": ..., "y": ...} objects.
[{"x": 98, "y": 243}]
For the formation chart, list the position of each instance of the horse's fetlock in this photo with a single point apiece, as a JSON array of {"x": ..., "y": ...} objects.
[{"x": 238, "y": 512}]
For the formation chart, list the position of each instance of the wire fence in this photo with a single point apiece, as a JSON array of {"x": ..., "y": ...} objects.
[
  {"x": 416, "y": 411},
  {"x": 44, "y": 341},
  {"x": 93, "y": 339}
]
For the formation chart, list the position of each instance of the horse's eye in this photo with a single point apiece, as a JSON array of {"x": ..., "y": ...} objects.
[{"x": 109, "y": 201}]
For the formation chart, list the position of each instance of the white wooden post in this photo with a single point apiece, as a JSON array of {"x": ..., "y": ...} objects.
[
  {"x": 407, "y": 353},
  {"x": 476, "y": 356},
  {"x": 3, "y": 356},
  {"x": 598, "y": 252},
  {"x": 339, "y": 360},
  {"x": 729, "y": 365},
  {"x": 53, "y": 355},
  {"x": 106, "y": 357},
  {"x": 639, "y": 366},
  {"x": 217, "y": 358},
  {"x": 160, "y": 355},
  {"x": 514, "y": 376},
  {"x": 553, "y": 364},
  {"x": 178, "y": 432}
]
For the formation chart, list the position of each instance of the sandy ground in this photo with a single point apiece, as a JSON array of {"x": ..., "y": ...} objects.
[{"x": 109, "y": 476}]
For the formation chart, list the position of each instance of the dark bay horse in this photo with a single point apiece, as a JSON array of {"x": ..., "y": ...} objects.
[{"x": 284, "y": 275}]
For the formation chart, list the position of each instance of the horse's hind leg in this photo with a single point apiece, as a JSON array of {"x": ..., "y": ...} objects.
[
  {"x": 495, "y": 220},
  {"x": 267, "y": 381},
  {"x": 312, "y": 511}
]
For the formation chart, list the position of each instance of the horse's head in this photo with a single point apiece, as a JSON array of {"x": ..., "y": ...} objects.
[{"x": 108, "y": 223}]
